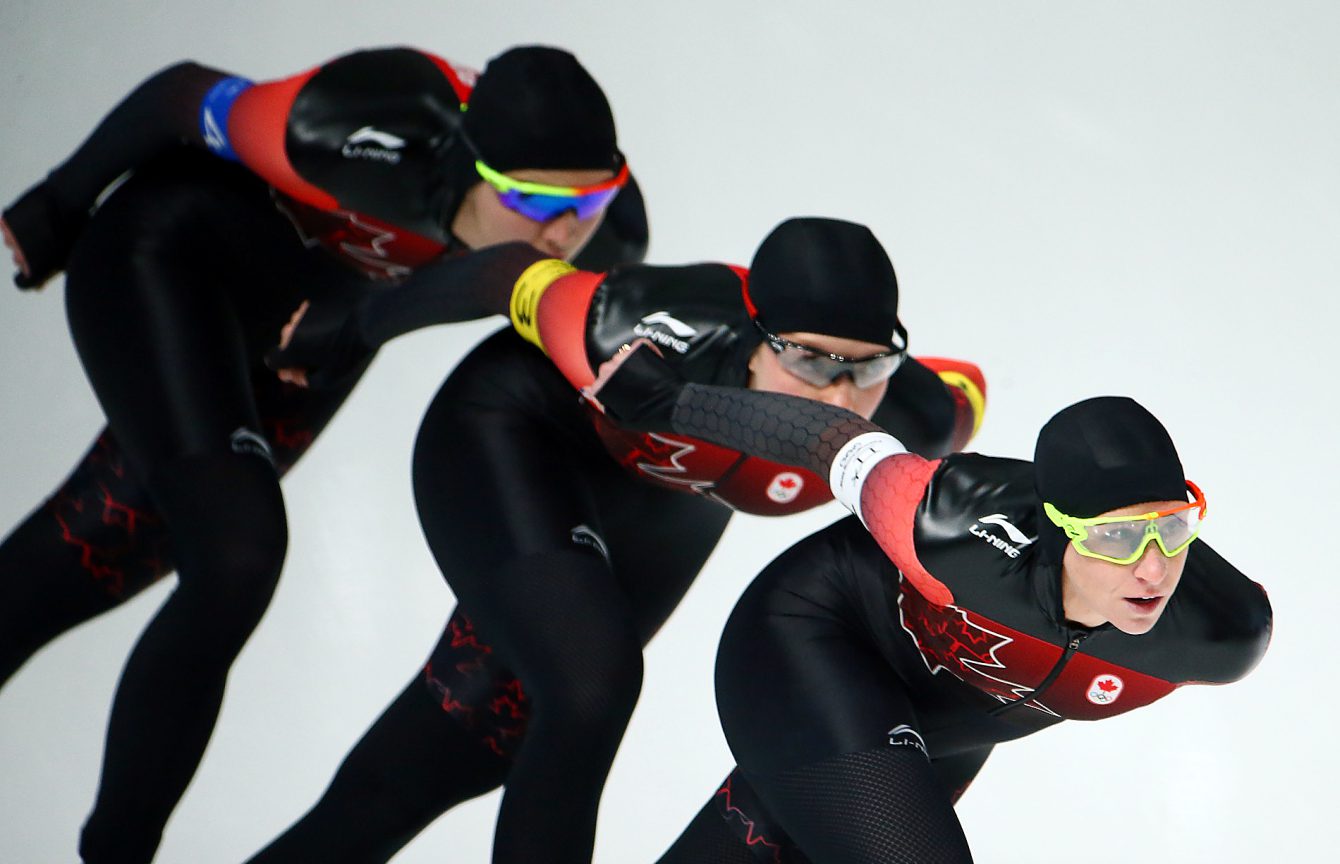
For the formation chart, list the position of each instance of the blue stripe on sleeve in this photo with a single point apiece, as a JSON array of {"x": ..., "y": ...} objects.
[{"x": 214, "y": 111}]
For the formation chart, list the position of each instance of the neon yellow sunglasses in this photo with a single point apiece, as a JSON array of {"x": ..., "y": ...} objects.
[{"x": 1122, "y": 539}]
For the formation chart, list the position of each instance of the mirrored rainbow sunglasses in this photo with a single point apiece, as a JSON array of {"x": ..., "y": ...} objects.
[
  {"x": 1123, "y": 539},
  {"x": 542, "y": 202}
]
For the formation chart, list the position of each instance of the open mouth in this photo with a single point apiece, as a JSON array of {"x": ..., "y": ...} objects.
[{"x": 1145, "y": 603}]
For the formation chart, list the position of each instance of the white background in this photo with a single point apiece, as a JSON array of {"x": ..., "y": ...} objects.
[{"x": 1084, "y": 198}]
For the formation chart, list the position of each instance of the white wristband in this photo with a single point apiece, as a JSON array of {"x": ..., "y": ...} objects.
[{"x": 855, "y": 461}]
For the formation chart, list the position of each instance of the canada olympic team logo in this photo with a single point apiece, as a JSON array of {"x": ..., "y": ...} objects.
[
  {"x": 785, "y": 487},
  {"x": 1105, "y": 689}
]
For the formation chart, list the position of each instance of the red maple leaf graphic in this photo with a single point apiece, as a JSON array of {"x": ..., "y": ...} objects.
[
  {"x": 945, "y": 636},
  {"x": 1107, "y": 686},
  {"x": 786, "y": 482}
]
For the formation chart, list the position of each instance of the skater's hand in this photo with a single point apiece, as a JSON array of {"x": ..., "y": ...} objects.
[
  {"x": 320, "y": 347},
  {"x": 292, "y": 374},
  {"x": 20, "y": 262},
  {"x": 609, "y": 367},
  {"x": 637, "y": 388},
  {"x": 49, "y": 232}
]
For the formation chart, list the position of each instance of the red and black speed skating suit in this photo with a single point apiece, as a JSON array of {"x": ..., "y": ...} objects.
[
  {"x": 866, "y": 674},
  {"x": 568, "y": 542},
  {"x": 176, "y": 286}
]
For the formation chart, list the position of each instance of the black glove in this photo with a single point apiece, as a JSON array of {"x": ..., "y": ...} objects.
[
  {"x": 641, "y": 393},
  {"x": 45, "y": 231},
  {"x": 326, "y": 344}
]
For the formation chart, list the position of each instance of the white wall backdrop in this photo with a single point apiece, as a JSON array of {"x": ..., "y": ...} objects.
[{"x": 1083, "y": 197}]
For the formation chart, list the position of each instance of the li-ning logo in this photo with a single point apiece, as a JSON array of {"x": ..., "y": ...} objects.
[
  {"x": 903, "y": 735},
  {"x": 213, "y": 134},
  {"x": 243, "y": 440},
  {"x": 998, "y": 519},
  {"x": 1105, "y": 689},
  {"x": 373, "y": 144},
  {"x": 584, "y": 535},
  {"x": 678, "y": 342}
]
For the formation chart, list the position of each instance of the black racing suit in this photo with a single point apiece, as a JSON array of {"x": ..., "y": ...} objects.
[
  {"x": 866, "y": 674},
  {"x": 176, "y": 286},
  {"x": 568, "y": 542}
]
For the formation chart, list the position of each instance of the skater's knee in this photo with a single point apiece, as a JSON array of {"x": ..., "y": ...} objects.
[
  {"x": 228, "y": 527},
  {"x": 596, "y": 697}
]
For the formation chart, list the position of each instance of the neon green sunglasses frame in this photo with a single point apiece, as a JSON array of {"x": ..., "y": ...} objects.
[
  {"x": 1075, "y": 528},
  {"x": 542, "y": 202}
]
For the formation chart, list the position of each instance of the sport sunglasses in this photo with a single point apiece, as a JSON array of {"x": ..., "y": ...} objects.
[
  {"x": 542, "y": 202},
  {"x": 821, "y": 368},
  {"x": 1123, "y": 539}
]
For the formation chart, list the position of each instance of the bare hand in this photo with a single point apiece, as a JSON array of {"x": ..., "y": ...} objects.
[
  {"x": 20, "y": 261},
  {"x": 609, "y": 367},
  {"x": 295, "y": 376}
]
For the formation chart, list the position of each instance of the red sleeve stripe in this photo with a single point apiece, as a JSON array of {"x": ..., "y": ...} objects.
[
  {"x": 743, "y": 273},
  {"x": 968, "y": 386},
  {"x": 890, "y": 497},
  {"x": 461, "y": 78},
  {"x": 561, "y": 319},
  {"x": 258, "y": 127}
]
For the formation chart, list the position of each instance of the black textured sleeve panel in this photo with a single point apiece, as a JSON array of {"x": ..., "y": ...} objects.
[{"x": 787, "y": 429}]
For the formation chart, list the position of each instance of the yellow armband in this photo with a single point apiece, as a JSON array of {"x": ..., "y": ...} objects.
[
  {"x": 526, "y": 294},
  {"x": 976, "y": 399}
]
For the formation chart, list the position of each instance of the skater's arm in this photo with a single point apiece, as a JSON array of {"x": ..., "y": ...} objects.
[
  {"x": 331, "y": 337},
  {"x": 161, "y": 113},
  {"x": 966, "y": 385},
  {"x": 546, "y": 299},
  {"x": 869, "y": 470},
  {"x": 643, "y": 392}
]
